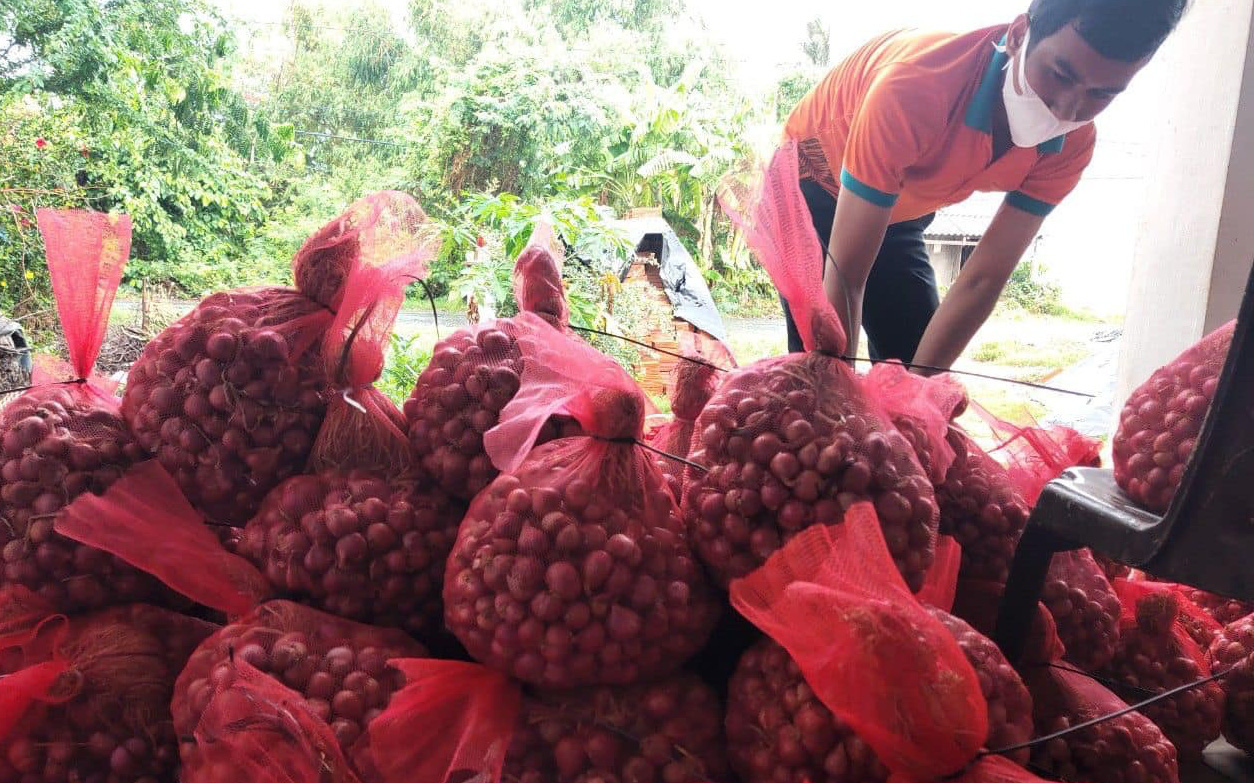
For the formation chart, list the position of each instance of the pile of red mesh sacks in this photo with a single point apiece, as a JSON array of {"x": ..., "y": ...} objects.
[{"x": 254, "y": 566}]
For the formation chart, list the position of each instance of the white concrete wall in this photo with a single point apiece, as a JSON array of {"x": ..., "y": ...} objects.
[{"x": 1195, "y": 233}]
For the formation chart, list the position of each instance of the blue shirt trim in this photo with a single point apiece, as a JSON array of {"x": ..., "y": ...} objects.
[
  {"x": 1033, "y": 206},
  {"x": 877, "y": 197}
]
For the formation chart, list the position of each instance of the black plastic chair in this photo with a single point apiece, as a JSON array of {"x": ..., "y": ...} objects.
[{"x": 1206, "y": 537}]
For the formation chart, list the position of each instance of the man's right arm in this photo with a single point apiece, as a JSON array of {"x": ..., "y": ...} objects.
[{"x": 857, "y": 233}]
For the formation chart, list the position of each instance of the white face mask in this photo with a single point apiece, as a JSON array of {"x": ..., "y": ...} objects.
[{"x": 1031, "y": 121}]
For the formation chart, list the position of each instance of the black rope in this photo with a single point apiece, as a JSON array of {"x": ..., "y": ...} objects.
[
  {"x": 647, "y": 447},
  {"x": 908, "y": 365},
  {"x": 1105, "y": 682},
  {"x": 434, "y": 315},
  {"x": 668, "y": 455},
  {"x": 650, "y": 346},
  {"x": 1137, "y": 707},
  {"x": 985, "y": 376},
  {"x": 16, "y": 389}
]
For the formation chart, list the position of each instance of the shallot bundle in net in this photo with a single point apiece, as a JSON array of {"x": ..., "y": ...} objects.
[
  {"x": 692, "y": 383},
  {"x": 1232, "y": 650},
  {"x": 1161, "y": 420},
  {"x": 921, "y": 409},
  {"x": 474, "y": 373},
  {"x": 538, "y": 278},
  {"x": 981, "y": 508},
  {"x": 1076, "y": 590},
  {"x": 363, "y": 429},
  {"x": 1085, "y": 608},
  {"x": 860, "y": 682},
  {"x": 668, "y": 730},
  {"x": 571, "y": 568},
  {"x": 793, "y": 441},
  {"x": 1126, "y": 749},
  {"x": 1155, "y": 654},
  {"x": 1223, "y": 610},
  {"x": 231, "y": 398},
  {"x": 63, "y": 440},
  {"x": 357, "y": 546},
  {"x": 488, "y": 730},
  {"x": 88, "y": 698},
  {"x": 284, "y": 671}
]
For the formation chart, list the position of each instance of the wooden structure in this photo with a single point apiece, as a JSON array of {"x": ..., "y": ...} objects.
[
  {"x": 657, "y": 247},
  {"x": 654, "y": 370}
]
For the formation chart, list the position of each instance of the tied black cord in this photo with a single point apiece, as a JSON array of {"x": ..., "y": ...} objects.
[
  {"x": 908, "y": 365},
  {"x": 650, "y": 346},
  {"x": 1105, "y": 682},
  {"x": 17, "y": 389},
  {"x": 647, "y": 447},
  {"x": 1137, "y": 707}
]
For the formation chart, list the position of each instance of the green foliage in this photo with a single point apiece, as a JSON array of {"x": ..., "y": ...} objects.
[
  {"x": 790, "y": 90},
  {"x": 228, "y": 143},
  {"x": 1028, "y": 290},
  {"x": 143, "y": 86},
  {"x": 406, "y": 359},
  {"x": 34, "y": 173}
]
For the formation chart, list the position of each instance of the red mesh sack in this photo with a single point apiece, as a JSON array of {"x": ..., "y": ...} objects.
[
  {"x": 1035, "y": 456},
  {"x": 571, "y": 568},
  {"x": 690, "y": 387},
  {"x": 231, "y": 397},
  {"x": 339, "y": 670},
  {"x": 669, "y": 730},
  {"x": 1112, "y": 569},
  {"x": 1232, "y": 650},
  {"x": 1223, "y": 610},
  {"x": 474, "y": 373},
  {"x": 1155, "y": 654},
  {"x": 859, "y": 681},
  {"x": 358, "y": 546},
  {"x": 391, "y": 242},
  {"x": 1126, "y": 749},
  {"x": 1162, "y": 418},
  {"x": 978, "y": 602},
  {"x": 88, "y": 698},
  {"x": 145, "y": 521},
  {"x": 257, "y": 729},
  {"x": 1198, "y": 622},
  {"x": 921, "y": 409},
  {"x": 793, "y": 441},
  {"x": 452, "y": 722},
  {"x": 980, "y": 507},
  {"x": 941, "y": 585},
  {"x": 1085, "y": 608},
  {"x": 63, "y": 440},
  {"x": 538, "y": 278}
]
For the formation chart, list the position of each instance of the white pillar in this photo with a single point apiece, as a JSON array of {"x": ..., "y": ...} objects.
[{"x": 1195, "y": 237}]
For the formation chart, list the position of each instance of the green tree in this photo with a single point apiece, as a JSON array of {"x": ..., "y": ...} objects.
[
  {"x": 817, "y": 45},
  {"x": 146, "y": 83}
]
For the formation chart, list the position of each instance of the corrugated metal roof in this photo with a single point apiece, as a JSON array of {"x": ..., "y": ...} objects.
[{"x": 967, "y": 220}]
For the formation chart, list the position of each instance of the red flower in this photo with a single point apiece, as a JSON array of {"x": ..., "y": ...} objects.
[
  {"x": 480, "y": 241},
  {"x": 40, "y": 143}
]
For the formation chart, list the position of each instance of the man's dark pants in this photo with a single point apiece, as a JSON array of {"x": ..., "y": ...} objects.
[{"x": 900, "y": 296}]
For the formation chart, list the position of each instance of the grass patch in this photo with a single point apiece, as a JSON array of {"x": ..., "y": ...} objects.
[
  {"x": 1020, "y": 354},
  {"x": 749, "y": 346}
]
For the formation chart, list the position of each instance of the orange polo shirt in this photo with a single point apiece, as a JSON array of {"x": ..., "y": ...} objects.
[{"x": 907, "y": 121}]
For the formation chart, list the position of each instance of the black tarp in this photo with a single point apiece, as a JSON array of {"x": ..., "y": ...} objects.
[{"x": 681, "y": 279}]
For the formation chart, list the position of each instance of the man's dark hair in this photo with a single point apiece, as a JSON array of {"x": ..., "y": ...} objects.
[{"x": 1124, "y": 30}]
